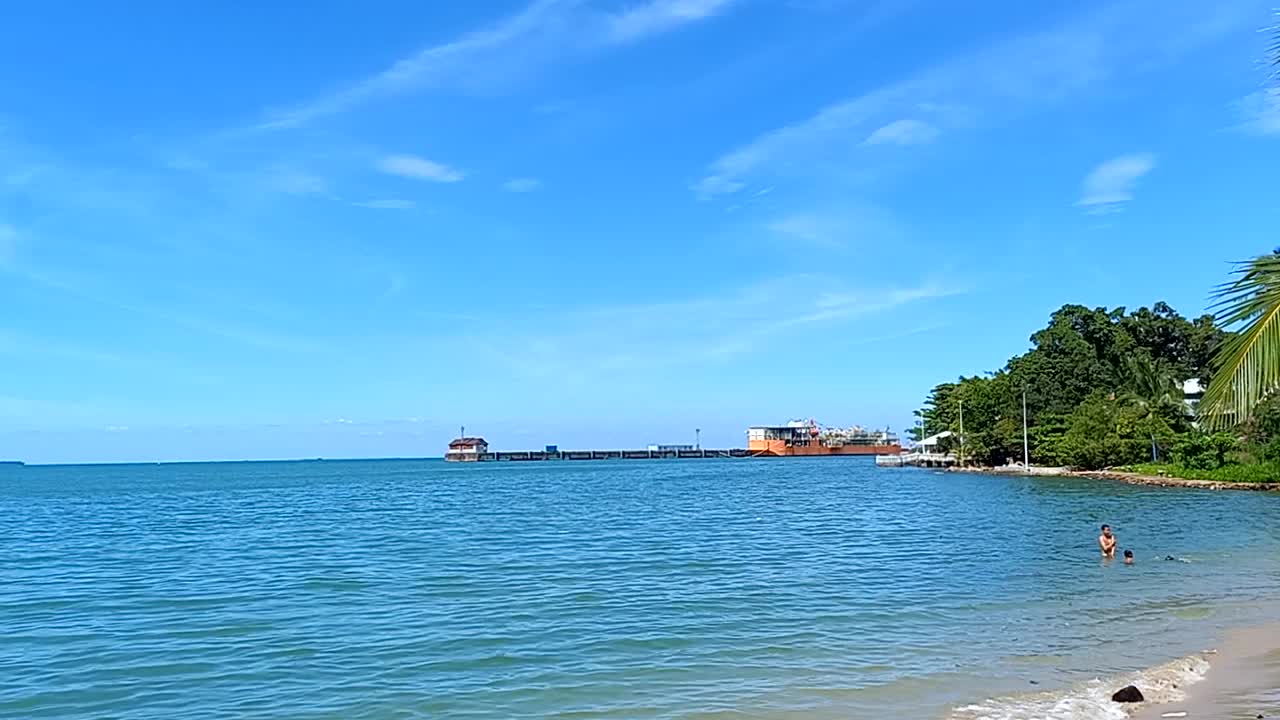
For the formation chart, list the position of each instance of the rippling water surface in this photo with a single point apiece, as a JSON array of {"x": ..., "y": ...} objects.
[{"x": 814, "y": 588}]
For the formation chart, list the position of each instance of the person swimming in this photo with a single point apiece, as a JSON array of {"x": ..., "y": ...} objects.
[
  {"x": 1128, "y": 557},
  {"x": 1107, "y": 542}
]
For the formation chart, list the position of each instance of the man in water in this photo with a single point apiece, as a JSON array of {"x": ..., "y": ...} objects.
[
  {"x": 1128, "y": 557},
  {"x": 1107, "y": 542}
]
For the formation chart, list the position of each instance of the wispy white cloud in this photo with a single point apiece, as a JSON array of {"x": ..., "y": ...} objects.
[
  {"x": 89, "y": 288},
  {"x": 625, "y": 338},
  {"x": 185, "y": 243},
  {"x": 418, "y": 168},
  {"x": 1110, "y": 185},
  {"x": 387, "y": 204},
  {"x": 804, "y": 227},
  {"x": 792, "y": 149},
  {"x": 658, "y": 16},
  {"x": 292, "y": 181},
  {"x": 15, "y": 343},
  {"x": 427, "y": 67},
  {"x": 1031, "y": 70},
  {"x": 542, "y": 31},
  {"x": 838, "y": 228},
  {"x": 1260, "y": 112},
  {"x": 904, "y": 132},
  {"x": 522, "y": 185}
]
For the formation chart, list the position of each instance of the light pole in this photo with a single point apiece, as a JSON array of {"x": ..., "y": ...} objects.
[
  {"x": 962, "y": 433},
  {"x": 1026, "y": 455}
]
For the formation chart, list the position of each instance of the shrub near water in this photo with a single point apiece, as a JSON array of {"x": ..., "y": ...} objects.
[
  {"x": 1241, "y": 473},
  {"x": 1201, "y": 451},
  {"x": 1217, "y": 457}
]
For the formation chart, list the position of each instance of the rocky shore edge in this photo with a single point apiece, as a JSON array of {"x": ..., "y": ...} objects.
[{"x": 1119, "y": 476}]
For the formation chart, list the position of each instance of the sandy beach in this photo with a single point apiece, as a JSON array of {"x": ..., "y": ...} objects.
[{"x": 1243, "y": 681}]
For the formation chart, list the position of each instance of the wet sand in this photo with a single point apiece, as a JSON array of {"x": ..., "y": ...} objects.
[{"x": 1243, "y": 681}]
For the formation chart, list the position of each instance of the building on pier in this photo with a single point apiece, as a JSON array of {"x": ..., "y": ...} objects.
[{"x": 467, "y": 449}]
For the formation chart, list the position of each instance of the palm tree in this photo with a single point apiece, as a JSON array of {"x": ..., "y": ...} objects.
[
  {"x": 1248, "y": 363},
  {"x": 1155, "y": 391}
]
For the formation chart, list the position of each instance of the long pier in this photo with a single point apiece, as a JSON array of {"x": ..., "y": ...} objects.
[{"x": 543, "y": 455}]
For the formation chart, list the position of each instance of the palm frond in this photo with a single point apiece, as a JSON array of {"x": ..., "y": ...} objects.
[
  {"x": 1151, "y": 386},
  {"x": 1248, "y": 363}
]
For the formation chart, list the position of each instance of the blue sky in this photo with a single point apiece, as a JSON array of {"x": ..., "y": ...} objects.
[{"x": 233, "y": 232}]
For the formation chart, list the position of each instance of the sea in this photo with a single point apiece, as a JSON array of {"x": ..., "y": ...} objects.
[{"x": 746, "y": 588}]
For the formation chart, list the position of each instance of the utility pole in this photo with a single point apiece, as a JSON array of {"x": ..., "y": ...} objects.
[
  {"x": 1026, "y": 455},
  {"x": 962, "y": 433}
]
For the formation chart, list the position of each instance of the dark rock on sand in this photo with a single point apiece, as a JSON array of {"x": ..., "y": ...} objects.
[{"x": 1128, "y": 694}]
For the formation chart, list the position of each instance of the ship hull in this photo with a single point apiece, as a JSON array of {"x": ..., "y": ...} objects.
[{"x": 779, "y": 448}]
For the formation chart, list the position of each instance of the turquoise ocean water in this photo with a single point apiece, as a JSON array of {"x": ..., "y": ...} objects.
[{"x": 804, "y": 588}]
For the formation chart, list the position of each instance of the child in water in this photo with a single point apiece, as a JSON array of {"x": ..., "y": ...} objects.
[{"x": 1128, "y": 557}]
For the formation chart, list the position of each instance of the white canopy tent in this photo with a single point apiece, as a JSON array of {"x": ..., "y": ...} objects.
[{"x": 932, "y": 440}]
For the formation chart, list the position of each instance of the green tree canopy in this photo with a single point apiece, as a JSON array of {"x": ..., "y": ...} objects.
[{"x": 1135, "y": 361}]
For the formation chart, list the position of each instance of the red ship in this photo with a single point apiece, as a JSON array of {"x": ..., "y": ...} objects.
[{"x": 806, "y": 437}]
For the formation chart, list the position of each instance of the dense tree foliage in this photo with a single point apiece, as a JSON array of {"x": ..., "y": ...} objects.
[{"x": 1103, "y": 387}]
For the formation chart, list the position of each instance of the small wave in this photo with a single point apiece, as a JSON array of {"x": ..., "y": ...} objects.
[
  {"x": 1091, "y": 700},
  {"x": 1197, "y": 612}
]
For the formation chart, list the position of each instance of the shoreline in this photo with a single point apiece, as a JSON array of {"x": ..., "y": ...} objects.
[
  {"x": 1120, "y": 476},
  {"x": 1237, "y": 679},
  {"x": 1239, "y": 682}
]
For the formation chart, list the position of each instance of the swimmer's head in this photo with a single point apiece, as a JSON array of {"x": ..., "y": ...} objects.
[
  {"x": 1128, "y": 557},
  {"x": 1106, "y": 530},
  {"x": 1128, "y": 553}
]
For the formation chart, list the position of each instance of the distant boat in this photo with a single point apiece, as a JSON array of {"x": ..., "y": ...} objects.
[
  {"x": 807, "y": 437},
  {"x": 11, "y": 462}
]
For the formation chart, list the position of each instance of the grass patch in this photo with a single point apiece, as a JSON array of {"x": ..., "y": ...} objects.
[{"x": 1244, "y": 473}]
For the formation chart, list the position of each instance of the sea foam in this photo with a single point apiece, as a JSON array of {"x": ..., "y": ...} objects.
[{"x": 1092, "y": 700}]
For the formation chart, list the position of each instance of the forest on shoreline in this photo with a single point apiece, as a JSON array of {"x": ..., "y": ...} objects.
[{"x": 1104, "y": 388}]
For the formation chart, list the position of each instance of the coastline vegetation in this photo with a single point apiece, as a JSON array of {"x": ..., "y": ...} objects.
[
  {"x": 1233, "y": 472},
  {"x": 1103, "y": 388},
  {"x": 1107, "y": 388}
]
